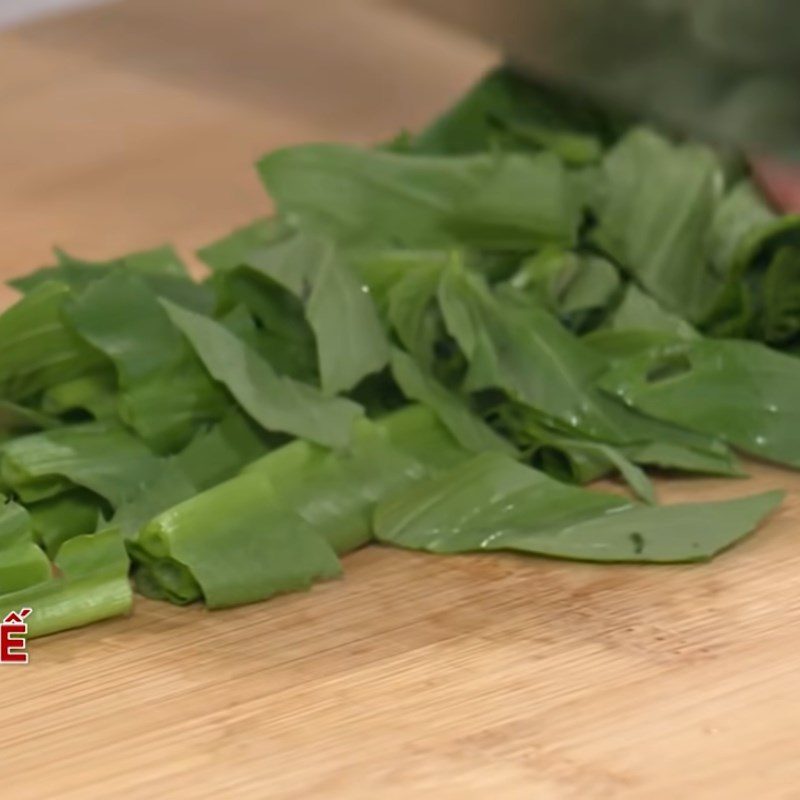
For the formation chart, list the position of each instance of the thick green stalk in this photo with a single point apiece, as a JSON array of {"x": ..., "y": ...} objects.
[{"x": 299, "y": 506}]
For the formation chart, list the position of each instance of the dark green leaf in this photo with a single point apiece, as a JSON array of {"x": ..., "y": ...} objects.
[
  {"x": 94, "y": 392},
  {"x": 576, "y": 288},
  {"x": 282, "y": 334},
  {"x": 781, "y": 297},
  {"x": 166, "y": 393},
  {"x": 221, "y": 451},
  {"x": 573, "y": 459},
  {"x": 469, "y": 430},
  {"x": 505, "y": 110},
  {"x": 350, "y": 339},
  {"x": 19, "y": 419},
  {"x": 276, "y": 402}
]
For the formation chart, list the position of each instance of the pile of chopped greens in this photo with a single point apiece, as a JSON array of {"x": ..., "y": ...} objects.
[{"x": 434, "y": 344}]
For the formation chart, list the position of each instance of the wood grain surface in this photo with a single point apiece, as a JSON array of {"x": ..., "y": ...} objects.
[{"x": 416, "y": 676}]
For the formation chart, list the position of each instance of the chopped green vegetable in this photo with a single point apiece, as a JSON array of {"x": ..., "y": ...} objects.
[
  {"x": 468, "y": 428},
  {"x": 18, "y": 419},
  {"x": 37, "y": 349},
  {"x": 640, "y": 312},
  {"x": 59, "y": 518},
  {"x": 278, "y": 525},
  {"x": 504, "y": 110},
  {"x": 94, "y": 393},
  {"x": 655, "y": 203},
  {"x": 232, "y": 250},
  {"x": 430, "y": 343},
  {"x": 742, "y": 392},
  {"x": 22, "y": 563},
  {"x": 78, "y": 273},
  {"x": 104, "y": 459},
  {"x": 221, "y": 451},
  {"x": 377, "y": 196},
  {"x": 237, "y": 542},
  {"x": 350, "y": 340},
  {"x": 164, "y": 391},
  {"x": 91, "y": 584},
  {"x": 494, "y": 503},
  {"x": 276, "y": 402},
  {"x": 576, "y": 288},
  {"x": 271, "y": 320}
]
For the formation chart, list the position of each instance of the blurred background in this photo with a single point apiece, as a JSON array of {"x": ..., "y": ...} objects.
[
  {"x": 13, "y": 12},
  {"x": 131, "y": 123},
  {"x": 126, "y": 124}
]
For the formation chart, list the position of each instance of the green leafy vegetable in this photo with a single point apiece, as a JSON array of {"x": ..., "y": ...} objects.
[
  {"x": 350, "y": 340},
  {"x": 504, "y": 110},
  {"x": 278, "y": 526},
  {"x": 94, "y": 392},
  {"x": 221, "y": 451},
  {"x": 640, "y": 312},
  {"x": 655, "y": 203},
  {"x": 741, "y": 392},
  {"x": 18, "y": 419},
  {"x": 90, "y": 584},
  {"x": 575, "y": 288},
  {"x": 104, "y": 459},
  {"x": 232, "y": 250},
  {"x": 78, "y": 273},
  {"x": 381, "y": 196},
  {"x": 522, "y": 349},
  {"x": 468, "y": 429},
  {"x": 165, "y": 392},
  {"x": 493, "y": 503},
  {"x": 36, "y": 349},
  {"x": 430, "y": 343},
  {"x": 59, "y": 518},
  {"x": 271, "y": 320},
  {"x": 22, "y": 563},
  {"x": 253, "y": 551},
  {"x": 276, "y": 402}
]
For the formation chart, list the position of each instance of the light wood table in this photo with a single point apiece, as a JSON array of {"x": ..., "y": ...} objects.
[{"x": 414, "y": 677}]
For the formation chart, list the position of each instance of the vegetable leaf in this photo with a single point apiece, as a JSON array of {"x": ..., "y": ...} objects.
[
  {"x": 166, "y": 392},
  {"x": 467, "y": 428},
  {"x": 91, "y": 585},
  {"x": 36, "y": 349},
  {"x": 276, "y": 402},
  {"x": 742, "y": 392},
  {"x": 655, "y": 204},
  {"x": 350, "y": 339},
  {"x": 277, "y": 526},
  {"x": 512, "y": 200},
  {"x": 102, "y": 458},
  {"x": 22, "y": 563},
  {"x": 493, "y": 503}
]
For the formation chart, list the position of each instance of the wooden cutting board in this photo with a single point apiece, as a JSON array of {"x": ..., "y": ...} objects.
[{"x": 414, "y": 677}]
